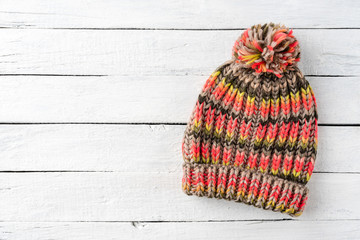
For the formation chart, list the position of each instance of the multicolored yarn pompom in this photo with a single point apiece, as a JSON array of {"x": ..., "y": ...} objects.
[
  {"x": 252, "y": 136},
  {"x": 267, "y": 48}
]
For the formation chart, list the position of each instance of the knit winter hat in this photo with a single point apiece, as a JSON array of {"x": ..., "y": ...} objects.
[{"x": 252, "y": 136}]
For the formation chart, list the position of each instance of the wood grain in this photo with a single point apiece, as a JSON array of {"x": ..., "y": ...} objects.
[
  {"x": 177, "y": 14},
  {"x": 153, "y": 196},
  {"x": 146, "y": 99},
  {"x": 160, "y": 53},
  {"x": 136, "y": 148},
  {"x": 188, "y": 230}
]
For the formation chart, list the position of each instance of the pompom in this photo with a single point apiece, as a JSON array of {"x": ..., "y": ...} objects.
[{"x": 268, "y": 48}]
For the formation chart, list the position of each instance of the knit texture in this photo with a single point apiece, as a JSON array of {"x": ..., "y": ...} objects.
[{"x": 252, "y": 136}]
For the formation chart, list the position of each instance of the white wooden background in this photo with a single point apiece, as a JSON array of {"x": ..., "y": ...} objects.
[{"x": 95, "y": 95}]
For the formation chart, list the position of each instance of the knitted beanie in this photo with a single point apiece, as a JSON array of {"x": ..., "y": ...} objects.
[{"x": 252, "y": 136}]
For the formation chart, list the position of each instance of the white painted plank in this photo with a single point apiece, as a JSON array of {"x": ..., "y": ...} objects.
[
  {"x": 156, "y": 53},
  {"x": 147, "y": 99},
  {"x": 136, "y": 148},
  {"x": 135, "y": 196},
  {"x": 177, "y": 14},
  {"x": 346, "y": 230}
]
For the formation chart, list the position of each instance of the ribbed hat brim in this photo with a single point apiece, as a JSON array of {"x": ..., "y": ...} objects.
[{"x": 243, "y": 185}]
